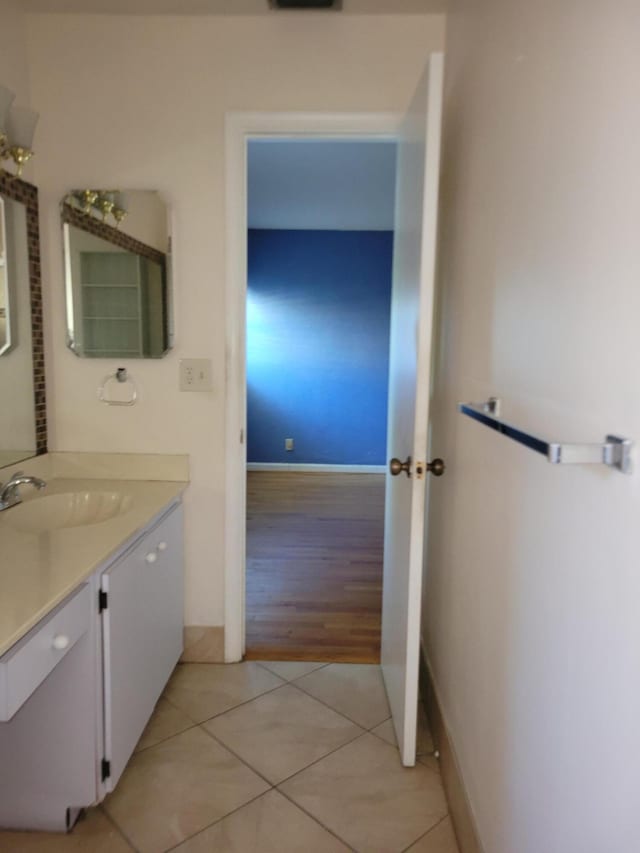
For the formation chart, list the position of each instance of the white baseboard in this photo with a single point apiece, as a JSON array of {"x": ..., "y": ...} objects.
[{"x": 303, "y": 467}]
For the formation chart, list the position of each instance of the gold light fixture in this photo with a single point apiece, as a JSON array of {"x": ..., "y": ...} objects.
[
  {"x": 87, "y": 199},
  {"x": 17, "y": 128},
  {"x": 105, "y": 204},
  {"x": 102, "y": 203}
]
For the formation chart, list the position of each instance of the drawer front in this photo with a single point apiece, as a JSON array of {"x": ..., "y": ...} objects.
[{"x": 25, "y": 666}]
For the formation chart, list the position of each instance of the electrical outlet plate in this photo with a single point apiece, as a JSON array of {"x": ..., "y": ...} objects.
[
  {"x": 288, "y": 444},
  {"x": 196, "y": 374}
]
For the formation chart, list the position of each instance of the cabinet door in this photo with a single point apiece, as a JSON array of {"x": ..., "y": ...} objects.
[{"x": 142, "y": 636}]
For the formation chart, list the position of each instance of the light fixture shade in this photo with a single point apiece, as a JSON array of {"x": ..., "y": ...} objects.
[
  {"x": 6, "y": 99},
  {"x": 21, "y": 126}
]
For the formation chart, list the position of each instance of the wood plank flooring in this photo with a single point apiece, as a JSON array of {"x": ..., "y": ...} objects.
[{"x": 314, "y": 566}]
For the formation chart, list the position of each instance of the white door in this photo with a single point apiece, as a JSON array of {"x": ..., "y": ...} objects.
[{"x": 409, "y": 391}]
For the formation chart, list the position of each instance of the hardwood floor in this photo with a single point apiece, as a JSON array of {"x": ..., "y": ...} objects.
[{"x": 314, "y": 566}]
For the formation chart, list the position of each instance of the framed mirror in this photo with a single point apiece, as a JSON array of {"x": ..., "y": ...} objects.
[
  {"x": 117, "y": 273},
  {"x": 23, "y": 416}
]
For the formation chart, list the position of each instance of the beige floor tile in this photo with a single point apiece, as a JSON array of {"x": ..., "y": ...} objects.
[
  {"x": 94, "y": 833},
  {"x": 355, "y": 690},
  {"x": 430, "y": 761},
  {"x": 440, "y": 839},
  {"x": 165, "y": 722},
  {"x": 291, "y": 669},
  {"x": 364, "y": 795},
  {"x": 386, "y": 732},
  {"x": 424, "y": 744},
  {"x": 203, "y": 690},
  {"x": 173, "y": 790},
  {"x": 282, "y": 732},
  {"x": 270, "y": 824}
]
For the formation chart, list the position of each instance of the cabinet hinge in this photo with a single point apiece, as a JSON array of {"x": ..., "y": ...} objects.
[
  {"x": 105, "y": 769},
  {"x": 103, "y": 601}
]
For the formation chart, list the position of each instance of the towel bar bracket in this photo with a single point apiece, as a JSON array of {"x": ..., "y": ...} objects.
[{"x": 614, "y": 452}]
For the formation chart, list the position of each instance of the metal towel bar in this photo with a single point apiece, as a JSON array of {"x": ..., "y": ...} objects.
[{"x": 614, "y": 451}]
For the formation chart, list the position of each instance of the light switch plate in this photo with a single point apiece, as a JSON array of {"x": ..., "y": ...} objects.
[{"x": 196, "y": 374}]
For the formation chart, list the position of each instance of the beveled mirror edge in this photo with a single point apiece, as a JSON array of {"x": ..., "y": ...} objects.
[{"x": 18, "y": 190}]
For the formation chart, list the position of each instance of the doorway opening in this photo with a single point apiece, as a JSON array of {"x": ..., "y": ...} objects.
[{"x": 319, "y": 274}]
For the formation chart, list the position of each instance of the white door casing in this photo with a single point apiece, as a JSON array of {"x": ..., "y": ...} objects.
[
  {"x": 409, "y": 391},
  {"x": 240, "y": 127}
]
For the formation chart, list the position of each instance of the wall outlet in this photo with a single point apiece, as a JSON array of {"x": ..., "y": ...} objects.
[
  {"x": 288, "y": 444},
  {"x": 196, "y": 374}
]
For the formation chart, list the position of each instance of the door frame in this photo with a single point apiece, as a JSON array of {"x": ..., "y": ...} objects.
[{"x": 240, "y": 127}]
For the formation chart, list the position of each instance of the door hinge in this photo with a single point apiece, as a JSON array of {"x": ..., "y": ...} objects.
[
  {"x": 241, "y": 436},
  {"x": 105, "y": 769},
  {"x": 103, "y": 601}
]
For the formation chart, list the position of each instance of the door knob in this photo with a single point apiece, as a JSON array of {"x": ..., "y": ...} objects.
[
  {"x": 396, "y": 466},
  {"x": 436, "y": 467}
]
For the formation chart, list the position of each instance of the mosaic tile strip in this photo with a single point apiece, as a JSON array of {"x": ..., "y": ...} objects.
[
  {"x": 87, "y": 222},
  {"x": 27, "y": 194}
]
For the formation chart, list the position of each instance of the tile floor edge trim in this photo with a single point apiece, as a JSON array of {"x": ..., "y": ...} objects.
[
  {"x": 203, "y": 644},
  {"x": 462, "y": 817}
]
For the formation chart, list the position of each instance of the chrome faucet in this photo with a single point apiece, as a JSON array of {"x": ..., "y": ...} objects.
[{"x": 9, "y": 495}]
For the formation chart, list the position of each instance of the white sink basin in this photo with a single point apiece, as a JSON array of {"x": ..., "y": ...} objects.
[{"x": 69, "y": 509}]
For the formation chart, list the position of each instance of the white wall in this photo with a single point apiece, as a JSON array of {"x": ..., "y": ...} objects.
[
  {"x": 14, "y": 72},
  {"x": 533, "y": 574},
  {"x": 146, "y": 110}
]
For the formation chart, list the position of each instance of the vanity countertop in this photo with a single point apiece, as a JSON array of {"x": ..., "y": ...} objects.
[{"x": 38, "y": 570}]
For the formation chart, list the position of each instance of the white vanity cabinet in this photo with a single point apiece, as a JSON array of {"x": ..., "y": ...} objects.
[
  {"x": 77, "y": 691},
  {"x": 48, "y": 746},
  {"x": 142, "y": 637}
]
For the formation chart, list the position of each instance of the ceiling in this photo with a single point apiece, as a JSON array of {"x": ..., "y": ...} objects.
[
  {"x": 321, "y": 185},
  {"x": 227, "y": 7}
]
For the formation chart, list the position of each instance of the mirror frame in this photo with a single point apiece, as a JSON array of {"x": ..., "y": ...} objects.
[
  {"x": 18, "y": 190},
  {"x": 70, "y": 215}
]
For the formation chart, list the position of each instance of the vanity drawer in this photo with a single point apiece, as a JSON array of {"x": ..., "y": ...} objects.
[{"x": 26, "y": 665}]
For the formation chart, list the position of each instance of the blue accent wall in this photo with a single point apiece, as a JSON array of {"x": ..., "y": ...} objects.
[{"x": 318, "y": 314}]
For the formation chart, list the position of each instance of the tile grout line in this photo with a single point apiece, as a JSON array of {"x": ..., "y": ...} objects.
[
  {"x": 194, "y": 724},
  {"x": 242, "y": 760},
  {"x": 243, "y": 702},
  {"x": 322, "y": 758},
  {"x": 117, "y": 827},
  {"x": 275, "y": 785},
  {"x": 424, "y": 835},
  {"x": 264, "y": 666},
  {"x": 314, "y": 818},
  {"x": 342, "y": 714},
  {"x": 217, "y": 821},
  {"x": 163, "y": 740}
]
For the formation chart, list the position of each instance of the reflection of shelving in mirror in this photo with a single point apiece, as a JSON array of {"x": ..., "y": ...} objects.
[{"x": 112, "y": 294}]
